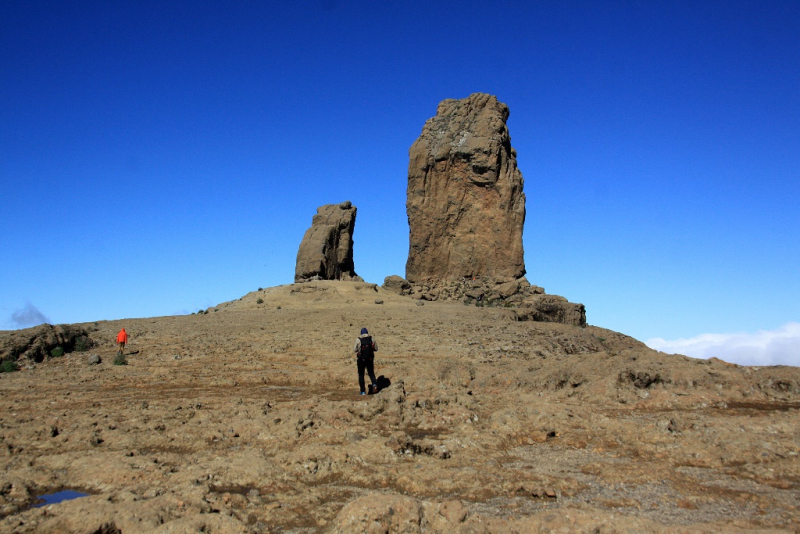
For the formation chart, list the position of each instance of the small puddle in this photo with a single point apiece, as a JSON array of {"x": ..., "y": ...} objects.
[{"x": 57, "y": 497}]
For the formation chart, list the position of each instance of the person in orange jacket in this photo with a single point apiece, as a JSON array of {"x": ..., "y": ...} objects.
[{"x": 122, "y": 339}]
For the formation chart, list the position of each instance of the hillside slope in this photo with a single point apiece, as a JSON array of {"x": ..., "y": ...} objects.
[{"x": 247, "y": 418}]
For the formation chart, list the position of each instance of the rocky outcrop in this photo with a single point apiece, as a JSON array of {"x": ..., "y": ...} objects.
[
  {"x": 38, "y": 342},
  {"x": 466, "y": 211},
  {"x": 530, "y": 302},
  {"x": 326, "y": 252},
  {"x": 465, "y": 202},
  {"x": 397, "y": 284}
]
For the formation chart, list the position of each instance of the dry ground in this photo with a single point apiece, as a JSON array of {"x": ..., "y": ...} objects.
[{"x": 248, "y": 419}]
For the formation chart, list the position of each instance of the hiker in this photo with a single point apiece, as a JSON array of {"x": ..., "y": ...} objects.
[
  {"x": 122, "y": 339},
  {"x": 365, "y": 349}
]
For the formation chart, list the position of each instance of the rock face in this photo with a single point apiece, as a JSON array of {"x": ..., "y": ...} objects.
[
  {"x": 466, "y": 211},
  {"x": 465, "y": 202},
  {"x": 326, "y": 252},
  {"x": 36, "y": 343}
]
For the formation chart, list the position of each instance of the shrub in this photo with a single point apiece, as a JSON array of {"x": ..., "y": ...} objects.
[
  {"x": 261, "y": 289},
  {"x": 8, "y": 367},
  {"x": 120, "y": 359},
  {"x": 260, "y": 301},
  {"x": 82, "y": 344},
  {"x": 57, "y": 352}
]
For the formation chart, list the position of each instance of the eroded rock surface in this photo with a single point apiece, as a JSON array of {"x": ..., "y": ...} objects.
[
  {"x": 248, "y": 419},
  {"x": 37, "y": 343},
  {"x": 465, "y": 202},
  {"x": 466, "y": 211},
  {"x": 326, "y": 252}
]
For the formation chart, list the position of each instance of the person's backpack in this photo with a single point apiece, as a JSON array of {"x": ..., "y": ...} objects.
[{"x": 366, "y": 352}]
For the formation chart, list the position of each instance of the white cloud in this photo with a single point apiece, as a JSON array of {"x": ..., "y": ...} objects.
[
  {"x": 765, "y": 347},
  {"x": 28, "y": 316}
]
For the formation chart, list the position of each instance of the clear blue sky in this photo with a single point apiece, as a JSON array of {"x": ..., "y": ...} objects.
[{"x": 159, "y": 157}]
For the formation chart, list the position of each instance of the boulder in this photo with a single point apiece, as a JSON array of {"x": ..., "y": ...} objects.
[
  {"x": 551, "y": 309},
  {"x": 397, "y": 284},
  {"x": 326, "y": 252},
  {"x": 508, "y": 289},
  {"x": 465, "y": 204}
]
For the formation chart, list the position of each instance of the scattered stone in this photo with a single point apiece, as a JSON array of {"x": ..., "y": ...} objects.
[
  {"x": 94, "y": 359},
  {"x": 378, "y": 301}
]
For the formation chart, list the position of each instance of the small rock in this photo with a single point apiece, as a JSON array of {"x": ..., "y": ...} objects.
[
  {"x": 475, "y": 294},
  {"x": 354, "y": 437},
  {"x": 378, "y": 301},
  {"x": 454, "y": 511},
  {"x": 420, "y": 303},
  {"x": 94, "y": 359}
]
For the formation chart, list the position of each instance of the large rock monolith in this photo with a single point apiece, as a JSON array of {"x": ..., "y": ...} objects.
[
  {"x": 326, "y": 252},
  {"x": 465, "y": 202},
  {"x": 466, "y": 211}
]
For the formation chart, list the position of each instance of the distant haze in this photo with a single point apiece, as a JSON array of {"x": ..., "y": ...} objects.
[{"x": 765, "y": 347}]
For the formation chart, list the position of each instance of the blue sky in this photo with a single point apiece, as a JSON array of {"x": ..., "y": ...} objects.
[{"x": 160, "y": 157}]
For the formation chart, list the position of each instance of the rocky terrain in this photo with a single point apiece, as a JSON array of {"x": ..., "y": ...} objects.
[{"x": 247, "y": 418}]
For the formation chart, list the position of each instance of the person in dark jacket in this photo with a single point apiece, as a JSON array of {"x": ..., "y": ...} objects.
[{"x": 365, "y": 349}]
